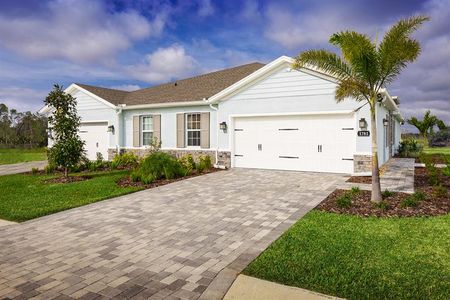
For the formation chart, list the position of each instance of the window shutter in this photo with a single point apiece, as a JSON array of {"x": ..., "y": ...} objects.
[
  {"x": 180, "y": 131},
  {"x": 136, "y": 131},
  {"x": 157, "y": 127},
  {"x": 204, "y": 130}
]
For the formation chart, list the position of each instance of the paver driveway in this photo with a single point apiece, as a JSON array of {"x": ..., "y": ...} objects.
[{"x": 188, "y": 239}]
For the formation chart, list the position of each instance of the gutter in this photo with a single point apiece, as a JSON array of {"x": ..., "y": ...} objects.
[
  {"x": 216, "y": 109},
  {"x": 161, "y": 105}
]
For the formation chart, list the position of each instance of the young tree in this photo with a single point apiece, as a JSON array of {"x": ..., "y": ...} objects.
[
  {"x": 364, "y": 68},
  {"x": 67, "y": 149},
  {"x": 427, "y": 124}
]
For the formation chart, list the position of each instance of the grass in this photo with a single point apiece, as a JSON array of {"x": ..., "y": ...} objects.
[
  {"x": 26, "y": 196},
  {"x": 361, "y": 258},
  {"x": 13, "y": 156},
  {"x": 441, "y": 150}
]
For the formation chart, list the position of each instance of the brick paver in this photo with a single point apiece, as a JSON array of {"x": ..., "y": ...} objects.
[{"x": 182, "y": 241}]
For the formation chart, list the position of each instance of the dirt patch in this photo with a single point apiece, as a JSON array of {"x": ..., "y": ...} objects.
[
  {"x": 127, "y": 182},
  {"x": 361, "y": 205},
  {"x": 360, "y": 179},
  {"x": 68, "y": 179}
]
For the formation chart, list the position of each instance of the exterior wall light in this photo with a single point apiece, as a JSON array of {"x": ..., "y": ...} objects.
[
  {"x": 111, "y": 129},
  {"x": 362, "y": 123},
  {"x": 385, "y": 122},
  {"x": 223, "y": 126}
]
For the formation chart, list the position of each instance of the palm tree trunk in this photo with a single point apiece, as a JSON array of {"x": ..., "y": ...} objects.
[{"x": 376, "y": 187}]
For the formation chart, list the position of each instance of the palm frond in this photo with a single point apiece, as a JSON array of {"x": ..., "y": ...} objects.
[
  {"x": 360, "y": 52},
  {"x": 351, "y": 88},
  {"x": 325, "y": 61},
  {"x": 397, "y": 48}
]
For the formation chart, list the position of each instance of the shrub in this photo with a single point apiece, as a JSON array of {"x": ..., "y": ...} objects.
[
  {"x": 188, "y": 163},
  {"x": 204, "y": 163},
  {"x": 158, "y": 165},
  {"x": 135, "y": 177},
  {"x": 50, "y": 168},
  {"x": 440, "y": 138},
  {"x": 439, "y": 191},
  {"x": 387, "y": 193},
  {"x": 34, "y": 171},
  {"x": 410, "y": 148},
  {"x": 382, "y": 205},
  {"x": 125, "y": 161},
  {"x": 344, "y": 201},
  {"x": 410, "y": 201},
  {"x": 414, "y": 199},
  {"x": 433, "y": 173},
  {"x": 355, "y": 190}
]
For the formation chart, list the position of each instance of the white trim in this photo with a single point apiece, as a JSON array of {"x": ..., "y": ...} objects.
[
  {"x": 163, "y": 105},
  {"x": 330, "y": 112},
  {"x": 94, "y": 121}
]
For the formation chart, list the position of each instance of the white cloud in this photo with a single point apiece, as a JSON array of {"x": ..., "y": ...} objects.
[
  {"x": 164, "y": 64},
  {"x": 80, "y": 31},
  {"x": 126, "y": 87},
  {"x": 22, "y": 99}
]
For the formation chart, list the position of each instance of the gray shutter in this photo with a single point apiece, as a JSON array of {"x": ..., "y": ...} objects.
[
  {"x": 204, "y": 130},
  {"x": 157, "y": 127},
  {"x": 136, "y": 131},
  {"x": 180, "y": 131}
]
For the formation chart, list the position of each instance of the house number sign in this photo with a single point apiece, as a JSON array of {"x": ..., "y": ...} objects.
[{"x": 363, "y": 133}]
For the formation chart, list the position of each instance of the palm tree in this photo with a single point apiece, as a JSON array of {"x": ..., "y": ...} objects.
[
  {"x": 426, "y": 125},
  {"x": 365, "y": 67}
]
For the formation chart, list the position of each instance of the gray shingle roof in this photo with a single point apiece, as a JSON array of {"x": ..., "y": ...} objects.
[{"x": 185, "y": 90}]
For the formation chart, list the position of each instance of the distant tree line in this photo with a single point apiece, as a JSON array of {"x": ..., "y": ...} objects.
[{"x": 21, "y": 129}]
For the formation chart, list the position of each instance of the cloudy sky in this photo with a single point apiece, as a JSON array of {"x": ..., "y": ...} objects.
[{"x": 128, "y": 44}]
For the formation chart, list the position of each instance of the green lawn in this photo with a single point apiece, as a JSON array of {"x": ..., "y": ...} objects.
[
  {"x": 361, "y": 258},
  {"x": 442, "y": 150},
  {"x": 25, "y": 196},
  {"x": 12, "y": 156}
]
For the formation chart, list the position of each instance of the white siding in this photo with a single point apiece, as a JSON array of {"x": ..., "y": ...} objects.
[
  {"x": 91, "y": 109},
  {"x": 168, "y": 124},
  {"x": 284, "y": 91}
]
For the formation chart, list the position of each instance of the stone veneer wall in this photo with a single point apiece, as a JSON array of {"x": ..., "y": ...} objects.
[
  {"x": 362, "y": 163},
  {"x": 224, "y": 156}
]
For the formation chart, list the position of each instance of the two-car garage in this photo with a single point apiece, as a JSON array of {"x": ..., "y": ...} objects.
[{"x": 320, "y": 143}]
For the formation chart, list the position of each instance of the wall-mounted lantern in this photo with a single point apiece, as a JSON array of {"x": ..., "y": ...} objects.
[
  {"x": 223, "y": 126},
  {"x": 362, "y": 123},
  {"x": 111, "y": 129},
  {"x": 385, "y": 122},
  {"x": 50, "y": 133}
]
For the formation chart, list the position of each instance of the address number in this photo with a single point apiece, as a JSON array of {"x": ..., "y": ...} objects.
[{"x": 364, "y": 133}]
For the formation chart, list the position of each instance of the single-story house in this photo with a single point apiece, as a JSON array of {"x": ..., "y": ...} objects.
[{"x": 251, "y": 116}]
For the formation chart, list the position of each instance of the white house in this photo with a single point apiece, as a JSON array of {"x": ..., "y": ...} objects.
[{"x": 250, "y": 116}]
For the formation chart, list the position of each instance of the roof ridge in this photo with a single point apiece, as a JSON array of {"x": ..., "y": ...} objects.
[
  {"x": 198, "y": 76},
  {"x": 100, "y": 87}
]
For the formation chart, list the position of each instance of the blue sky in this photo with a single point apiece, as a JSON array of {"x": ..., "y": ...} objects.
[{"x": 134, "y": 44}]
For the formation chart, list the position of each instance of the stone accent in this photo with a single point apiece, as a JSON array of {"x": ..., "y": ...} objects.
[
  {"x": 224, "y": 156},
  {"x": 362, "y": 163}
]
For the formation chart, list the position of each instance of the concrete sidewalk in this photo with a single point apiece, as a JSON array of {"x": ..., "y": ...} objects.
[
  {"x": 250, "y": 288},
  {"x": 21, "y": 167}
]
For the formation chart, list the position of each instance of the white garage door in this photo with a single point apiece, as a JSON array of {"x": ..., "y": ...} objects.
[
  {"x": 324, "y": 143},
  {"x": 95, "y": 136}
]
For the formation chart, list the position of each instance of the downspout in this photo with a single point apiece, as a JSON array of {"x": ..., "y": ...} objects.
[
  {"x": 216, "y": 165},
  {"x": 118, "y": 113}
]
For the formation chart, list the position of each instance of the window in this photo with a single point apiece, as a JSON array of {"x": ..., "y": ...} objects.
[
  {"x": 193, "y": 129},
  {"x": 147, "y": 130}
]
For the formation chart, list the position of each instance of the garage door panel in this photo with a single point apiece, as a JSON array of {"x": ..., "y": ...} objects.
[
  {"x": 95, "y": 137},
  {"x": 305, "y": 143}
]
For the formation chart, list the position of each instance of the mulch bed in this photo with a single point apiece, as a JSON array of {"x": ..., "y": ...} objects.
[
  {"x": 362, "y": 206},
  {"x": 67, "y": 179},
  {"x": 360, "y": 179},
  {"x": 127, "y": 182},
  {"x": 435, "y": 158}
]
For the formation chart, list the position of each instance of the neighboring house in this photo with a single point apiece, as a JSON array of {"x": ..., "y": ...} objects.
[{"x": 251, "y": 116}]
